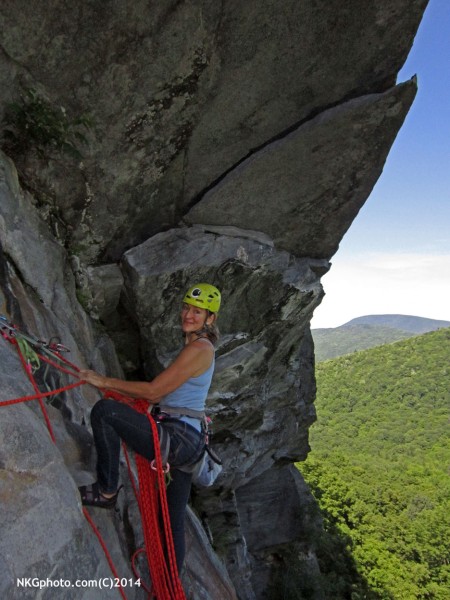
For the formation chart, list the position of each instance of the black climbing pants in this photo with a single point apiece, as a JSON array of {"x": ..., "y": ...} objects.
[{"x": 113, "y": 421}]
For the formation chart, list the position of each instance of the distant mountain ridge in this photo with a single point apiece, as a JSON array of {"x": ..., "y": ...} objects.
[
  {"x": 403, "y": 322},
  {"x": 370, "y": 331}
]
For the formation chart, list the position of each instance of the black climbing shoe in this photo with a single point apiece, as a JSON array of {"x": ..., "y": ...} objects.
[{"x": 92, "y": 496}]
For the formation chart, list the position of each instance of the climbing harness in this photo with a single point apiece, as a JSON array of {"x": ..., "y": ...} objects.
[
  {"x": 209, "y": 466},
  {"x": 151, "y": 492}
]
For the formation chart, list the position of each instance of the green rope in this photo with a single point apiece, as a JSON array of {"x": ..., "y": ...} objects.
[{"x": 28, "y": 353}]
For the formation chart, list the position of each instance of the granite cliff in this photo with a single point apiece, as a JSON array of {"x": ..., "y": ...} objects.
[{"x": 232, "y": 142}]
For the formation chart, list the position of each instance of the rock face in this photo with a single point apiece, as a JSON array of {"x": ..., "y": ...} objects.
[
  {"x": 182, "y": 92},
  {"x": 313, "y": 192},
  {"x": 264, "y": 381},
  {"x": 44, "y": 533},
  {"x": 233, "y": 143},
  {"x": 38, "y": 479}
]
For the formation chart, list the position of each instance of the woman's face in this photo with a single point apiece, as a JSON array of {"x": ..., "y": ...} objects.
[{"x": 193, "y": 318}]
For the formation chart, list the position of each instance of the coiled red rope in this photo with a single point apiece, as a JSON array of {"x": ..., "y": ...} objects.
[{"x": 152, "y": 501}]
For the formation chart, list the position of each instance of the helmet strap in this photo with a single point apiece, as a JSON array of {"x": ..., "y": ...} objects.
[{"x": 205, "y": 329}]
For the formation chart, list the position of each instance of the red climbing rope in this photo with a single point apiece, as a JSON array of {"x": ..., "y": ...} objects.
[
  {"x": 152, "y": 501},
  {"x": 29, "y": 373},
  {"x": 105, "y": 550},
  {"x": 41, "y": 394},
  {"x": 73, "y": 373},
  {"x": 151, "y": 494},
  {"x": 160, "y": 548}
]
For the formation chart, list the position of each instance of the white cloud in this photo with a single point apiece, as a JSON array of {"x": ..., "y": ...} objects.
[{"x": 383, "y": 283}]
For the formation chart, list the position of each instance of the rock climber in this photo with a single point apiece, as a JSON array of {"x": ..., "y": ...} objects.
[{"x": 184, "y": 384}]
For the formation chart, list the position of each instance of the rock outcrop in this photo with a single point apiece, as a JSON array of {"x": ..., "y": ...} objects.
[
  {"x": 234, "y": 143},
  {"x": 183, "y": 92}
]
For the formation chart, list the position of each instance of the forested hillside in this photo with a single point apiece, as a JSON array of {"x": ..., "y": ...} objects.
[
  {"x": 379, "y": 468},
  {"x": 369, "y": 331},
  {"x": 337, "y": 341}
]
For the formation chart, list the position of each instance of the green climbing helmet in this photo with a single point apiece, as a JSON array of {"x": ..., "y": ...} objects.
[{"x": 203, "y": 295}]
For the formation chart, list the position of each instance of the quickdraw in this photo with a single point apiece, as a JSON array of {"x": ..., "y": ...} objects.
[
  {"x": 31, "y": 352},
  {"x": 53, "y": 348}
]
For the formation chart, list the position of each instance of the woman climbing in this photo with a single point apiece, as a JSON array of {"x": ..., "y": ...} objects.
[{"x": 182, "y": 388}]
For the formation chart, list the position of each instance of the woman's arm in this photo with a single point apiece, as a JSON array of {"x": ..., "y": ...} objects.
[{"x": 192, "y": 361}]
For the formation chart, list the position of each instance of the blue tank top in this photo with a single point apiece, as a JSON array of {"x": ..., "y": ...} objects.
[{"x": 191, "y": 394}]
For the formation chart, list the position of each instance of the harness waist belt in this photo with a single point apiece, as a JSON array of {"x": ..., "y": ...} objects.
[{"x": 175, "y": 411}]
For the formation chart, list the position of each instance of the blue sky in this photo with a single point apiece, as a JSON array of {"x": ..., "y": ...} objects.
[{"x": 395, "y": 258}]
